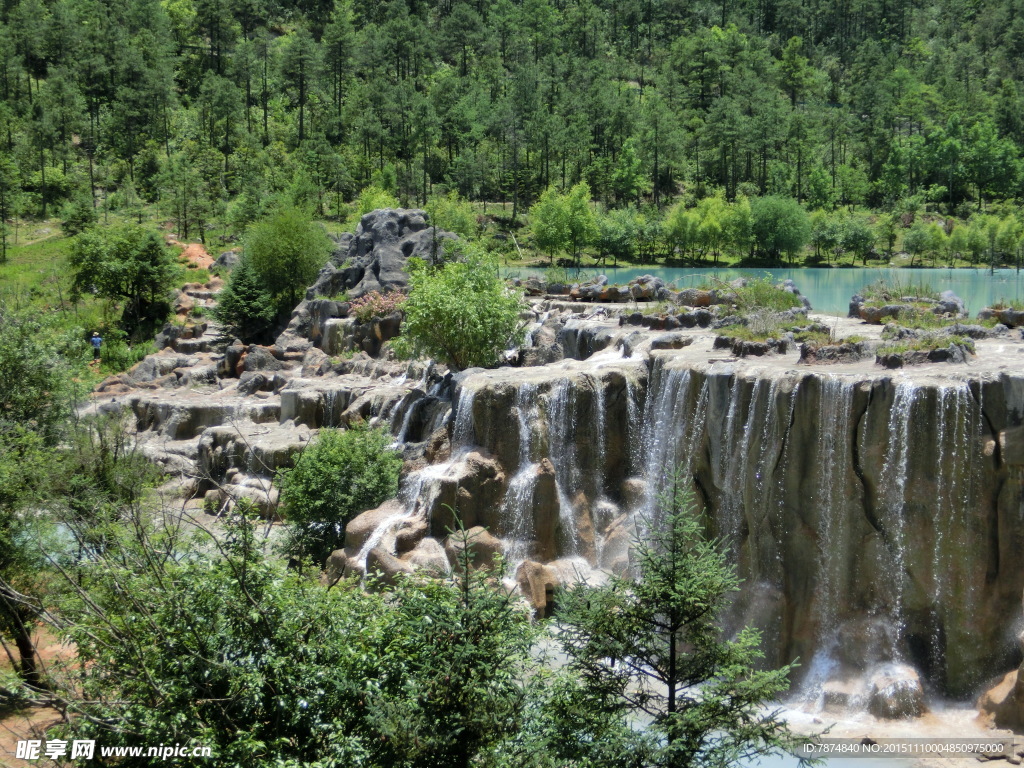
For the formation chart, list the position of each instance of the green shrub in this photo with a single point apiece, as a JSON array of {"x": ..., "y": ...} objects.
[
  {"x": 129, "y": 263},
  {"x": 462, "y": 314},
  {"x": 117, "y": 355},
  {"x": 370, "y": 199},
  {"x": 78, "y": 215},
  {"x": 763, "y": 294},
  {"x": 339, "y": 475},
  {"x": 454, "y": 214},
  {"x": 286, "y": 251}
]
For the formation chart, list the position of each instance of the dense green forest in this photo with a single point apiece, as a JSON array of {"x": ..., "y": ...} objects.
[{"x": 215, "y": 108}]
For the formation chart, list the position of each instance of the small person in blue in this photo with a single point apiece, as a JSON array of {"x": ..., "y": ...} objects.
[{"x": 96, "y": 340}]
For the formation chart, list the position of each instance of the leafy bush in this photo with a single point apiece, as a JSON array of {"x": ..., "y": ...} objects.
[
  {"x": 376, "y": 304},
  {"x": 286, "y": 251},
  {"x": 339, "y": 475},
  {"x": 284, "y": 672},
  {"x": 454, "y": 214},
  {"x": 462, "y": 314},
  {"x": 117, "y": 355},
  {"x": 370, "y": 199}
]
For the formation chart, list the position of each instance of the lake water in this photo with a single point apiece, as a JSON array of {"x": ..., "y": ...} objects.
[{"x": 829, "y": 290}]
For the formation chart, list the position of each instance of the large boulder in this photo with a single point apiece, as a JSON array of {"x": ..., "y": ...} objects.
[
  {"x": 537, "y": 583},
  {"x": 362, "y": 527},
  {"x": 896, "y": 693},
  {"x": 1002, "y": 704},
  {"x": 375, "y": 258},
  {"x": 385, "y": 567},
  {"x": 429, "y": 557},
  {"x": 477, "y": 544}
]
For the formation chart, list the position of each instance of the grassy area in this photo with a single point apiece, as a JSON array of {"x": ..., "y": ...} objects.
[
  {"x": 746, "y": 333},
  {"x": 36, "y": 279},
  {"x": 1008, "y": 304},
  {"x": 882, "y": 292},
  {"x": 924, "y": 344},
  {"x": 762, "y": 294}
]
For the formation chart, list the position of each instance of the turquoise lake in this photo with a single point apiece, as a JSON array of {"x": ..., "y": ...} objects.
[{"x": 829, "y": 290}]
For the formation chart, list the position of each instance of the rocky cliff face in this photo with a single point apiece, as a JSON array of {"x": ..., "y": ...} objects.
[{"x": 874, "y": 517}]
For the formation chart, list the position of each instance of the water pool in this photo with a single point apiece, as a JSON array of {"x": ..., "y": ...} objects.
[{"x": 829, "y": 290}]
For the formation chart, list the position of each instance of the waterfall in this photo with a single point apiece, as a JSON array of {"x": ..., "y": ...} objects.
[
  {"x": 834, "y": 457},
  {"x": 736, "y": 455},
  {"x": 561, "y": 420},
  {"x": 411, "y": 400},
  {"x": 633, "y": 424},
  {"x": 669, "y": 429},
  {"x": 517, "y": 506},
  {"x": 893, "y": 492},
  {"x": 464, "y": 432}
]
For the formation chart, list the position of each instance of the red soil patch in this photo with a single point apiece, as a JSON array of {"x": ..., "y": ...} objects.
[
  {"x": 195, "y": 253},
  {"x": 32, "y": 722}
]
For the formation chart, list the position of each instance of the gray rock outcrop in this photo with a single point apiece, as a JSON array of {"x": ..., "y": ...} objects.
[{"x": 375, "y": 257}]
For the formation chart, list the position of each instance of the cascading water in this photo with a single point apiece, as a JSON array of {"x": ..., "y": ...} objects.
[
  {"x": 517, "y": 506},
  {"x": 893, "y": 493},
  {"x": 562, "y": 452},
  {"x": 667, "y": 423},
  {"x": 833, "y": 529},
  {"x": 463, "y": 429}
]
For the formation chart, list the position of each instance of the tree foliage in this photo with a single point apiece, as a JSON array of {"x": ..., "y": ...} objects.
[
  {"x": 779, "y": 225},
  {"x": 231, "y": 651},
  {"x": 337, "y": 476},
  {"x": 653, "y": 649},
  {"x": 461, "y": 313},
  {"x": 124, "y": 262},
  {"x": 286, "y": 251},
  {"x": 244, "y": 306}
]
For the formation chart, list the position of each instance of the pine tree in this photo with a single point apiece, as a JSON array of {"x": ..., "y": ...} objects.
[{"x": 653, "y": 650}]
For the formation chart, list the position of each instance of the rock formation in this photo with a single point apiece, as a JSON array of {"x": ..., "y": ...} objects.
[
  {"x": 875, "y": 517},
  {"x": 374, "y": 258}
]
